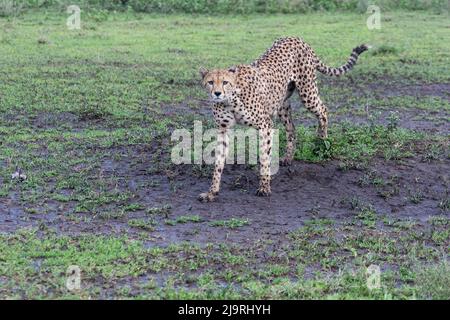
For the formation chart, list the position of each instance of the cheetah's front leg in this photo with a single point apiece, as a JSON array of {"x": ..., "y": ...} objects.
[
  {"x": 221, "y": 154},
  {"x": 265, "y": 143}
]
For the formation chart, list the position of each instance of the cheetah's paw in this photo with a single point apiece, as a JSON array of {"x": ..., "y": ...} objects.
[
  {"x": 263, "y": 192},
  {"x": 206, "y": 197}
]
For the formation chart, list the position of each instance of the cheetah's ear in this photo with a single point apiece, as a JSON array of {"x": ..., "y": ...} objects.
[
  {"x": 233, "y": 69},
  {"x": 203, "y": 72}
]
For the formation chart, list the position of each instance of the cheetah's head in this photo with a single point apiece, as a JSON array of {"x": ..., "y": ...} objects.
[{"x": 220, "y": 84}]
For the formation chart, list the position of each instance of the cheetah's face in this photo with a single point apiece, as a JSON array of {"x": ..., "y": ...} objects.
[{"x": 220, "y": 84}]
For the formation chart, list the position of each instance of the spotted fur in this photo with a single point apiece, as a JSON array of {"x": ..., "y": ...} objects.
[{"x": 253, "y": 94}]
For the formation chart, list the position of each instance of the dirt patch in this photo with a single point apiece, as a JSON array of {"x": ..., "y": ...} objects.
[{"x": 410, "y": 189}]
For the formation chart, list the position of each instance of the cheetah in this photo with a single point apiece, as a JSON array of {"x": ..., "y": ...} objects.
[{"x": 254, "y": 94}]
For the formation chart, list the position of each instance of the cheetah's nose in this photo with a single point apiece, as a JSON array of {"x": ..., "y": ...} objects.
[{"x": 217, "y": 93}]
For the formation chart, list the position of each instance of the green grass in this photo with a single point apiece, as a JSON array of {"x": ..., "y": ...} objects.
[
  {"x": 411, "y": 262},
  {"x": 348, "y": 142},
  {"x": 184, "y": 219},
  {"x": 231, "y": 224},
  {"x": 146, "y": 224},
  {"x": 81, "y": 111}
]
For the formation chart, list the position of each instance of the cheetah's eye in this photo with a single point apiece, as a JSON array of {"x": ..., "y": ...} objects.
[
  {"x": 225, "y": 83},
  {"x": 210, "y": 83}
]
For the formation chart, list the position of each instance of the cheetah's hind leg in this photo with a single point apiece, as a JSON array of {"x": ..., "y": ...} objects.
[
  {"x": 309, "y": 94},
  {"x": 285, "y": 115}
]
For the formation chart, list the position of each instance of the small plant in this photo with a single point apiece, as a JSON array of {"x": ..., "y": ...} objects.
[
  {"x": 232, "y": 223},
  {"x": 353, "y": 202},
  {"x": 441, "y": 236},
  {"x": 322, "y": 148},
  {"x": 404, "y": 224},
  {"x": 439, "y": 221},
  {"x": 370, "y": 178},
  {"x": 164, "y": 210},
  {"x": 111, "y": 215},
  {"x": 433, "y": 152},
  {"x": 133, "y": 207},
  {"x": 142, "y": 224},
  {"x": 372, "y": 116},
  {"x": 184, "y": 219},
  {"x": 444, "y": 204},
  {"x": 43, "y": 40},
  {"x": 416, "y": 197},
  {"x": 92, "y": 111},
  {"x": 393, "y": 120},
  {"x": 367, "y": 216},
  {"x": 389, "y": 192}
]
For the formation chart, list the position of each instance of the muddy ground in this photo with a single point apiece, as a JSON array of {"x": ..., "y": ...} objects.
[{"x": 414, "y": 188}]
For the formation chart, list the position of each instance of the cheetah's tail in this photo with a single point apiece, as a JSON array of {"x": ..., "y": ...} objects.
[{"x": 346, "y": 67}]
